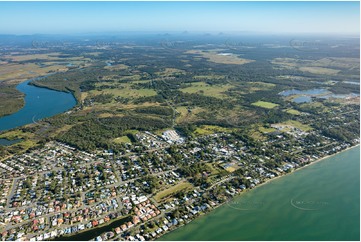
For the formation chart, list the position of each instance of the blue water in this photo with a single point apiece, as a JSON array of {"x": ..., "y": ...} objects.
[
  {"x": 318, "y": 203},
  {"x": 316, "y": 91},
  {"x": 39, "y": 103},
  {"x": 6, "y": 142},
  {"x": 302, "y": 99}
]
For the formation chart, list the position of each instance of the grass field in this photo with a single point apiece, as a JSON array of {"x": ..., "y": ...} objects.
[
  {"x": 293, "y": 111},
  {"x": 319, "y": 70},
  {"x": 117, "y": 67},
  {"x": 266, "y": 130},
  {"x": 16, "y": 134},
  {"x": 55, "y": 56},
  {"x": 16, "y": 73},
  {"x": 221, "y": 59},
  {"x": 260, "y": 85},
  {"x": 207, "y": 90},
  {"x": 325, "y": 66},
  {"x": 298, "y": 125},
  {"x": 263, "y": 104},
  {"x": 211, "y": 129},
  {"x": 122, "y": 139},
  {"x": 172, "y": 190}
]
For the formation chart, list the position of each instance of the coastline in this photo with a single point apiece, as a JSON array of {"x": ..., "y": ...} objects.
[
  {"x": 257, "y": 186},
  {"x": 307, "y": 165}
]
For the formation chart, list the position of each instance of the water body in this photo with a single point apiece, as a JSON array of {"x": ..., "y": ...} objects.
[
  {"x": 6, "y": 142},
  {"x": 319, "y": 202},
  {"x": 311, "y": 92},
  {"x": 90, "y": 234},
  {"x": 302, "y": 99},
  {"x": 39, "y": 103}
]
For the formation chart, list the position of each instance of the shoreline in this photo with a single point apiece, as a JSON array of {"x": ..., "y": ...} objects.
[
  {"x": 257, "y": 186},
  {"x": 307, "y": 165}
]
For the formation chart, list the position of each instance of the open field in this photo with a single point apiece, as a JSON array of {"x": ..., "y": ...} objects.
[
  {"x": 255, "y": 86},
  {"x": 55, "y": 56},
  {"x": 298, "y": 125},
  {"x": 263, "y": 104},
  {"x": 208, "y": 90},
  {"x": 266, "y": 130},
  {"x": 122, "y": 139},
  {"x": 324, "y": 66},
  {"x": 293, "y": 111},
  {"x": 16, "y": 73},
  {"x": 319, "y": 70},
  {"x": 16, "y": 134},
  {"x": 211, "y": 129},
  {"x": 338, "y": 62},
  {"x": 172, "y": 190},
  {"x": 117, "y": 67},
  {"x": 221, "y": 58}
]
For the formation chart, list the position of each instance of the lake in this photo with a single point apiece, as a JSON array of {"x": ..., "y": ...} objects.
[
  {"x": 39, "y": 103},
  {"x": 318, "y": 202},
  {"x": 311, "y": 92},
  {"x": 6, "y": 142},
  {"x": 302, "y": 99}
]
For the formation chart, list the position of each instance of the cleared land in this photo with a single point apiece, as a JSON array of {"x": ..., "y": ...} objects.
[
  {"x": 266, "y": 130},
  {"x": 263, "y": 104},
  {"x": 319, "y": 70},
  {"x": 325, "y": 66},
  {"x": 211, "y": 129},
  {"x": 221, "y": 58},
  {"x": 172, "y": 190},
  {"x": 123, "y": 139},
  {"x": 293, "y": 111},
  {"x": 208, "y": 90},
  {"x": 298, "y": 125}
]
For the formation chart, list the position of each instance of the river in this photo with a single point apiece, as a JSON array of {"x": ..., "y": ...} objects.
[
  {"x": 318, "y": 202},
  {"x": 39, "y": 103}
]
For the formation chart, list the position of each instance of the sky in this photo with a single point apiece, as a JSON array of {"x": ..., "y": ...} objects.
[{"x": 96, "y": 17}]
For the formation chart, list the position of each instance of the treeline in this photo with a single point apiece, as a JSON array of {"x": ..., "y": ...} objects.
[{"x": 157, "y": 110}]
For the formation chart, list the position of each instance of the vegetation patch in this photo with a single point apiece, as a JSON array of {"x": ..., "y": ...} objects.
[
  {"x": 207, "y": 89},
  {"x": 266, "y": 129},
  {"x": 173, "y": 190},
  {"x": 123, "y": 139},
  {"x": 298, "y": 125},
  {"x": 293, "y": 111},
  {"x": 263, "y": 104},
  {"x": 319, "y": 70},
  {"x": 221, "y": 58}
]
